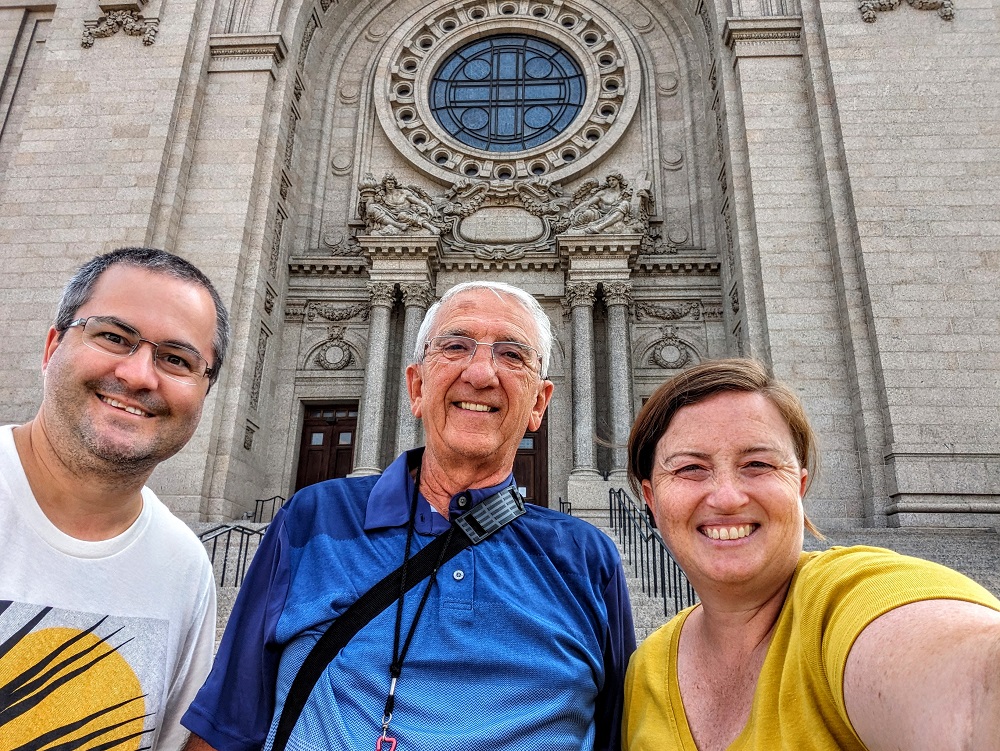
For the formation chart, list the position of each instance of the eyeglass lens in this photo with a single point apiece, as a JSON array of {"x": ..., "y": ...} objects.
[
  {"x": 509, "y": 355},
  {"x": 178, "y": 362}
]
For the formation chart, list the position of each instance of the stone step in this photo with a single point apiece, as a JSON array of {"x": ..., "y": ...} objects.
[{"x": 975, "y": 553}]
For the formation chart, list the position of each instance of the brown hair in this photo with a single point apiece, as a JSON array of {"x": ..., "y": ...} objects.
[{"x": 699, "y": 383}]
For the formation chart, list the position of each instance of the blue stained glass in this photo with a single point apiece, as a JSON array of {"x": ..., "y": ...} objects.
[{"x": 507, "y": 93}]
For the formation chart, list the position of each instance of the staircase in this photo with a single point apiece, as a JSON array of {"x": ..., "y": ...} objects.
[
  {"x": 648, "y": 612},
  {"x": 974, "y": 552}
]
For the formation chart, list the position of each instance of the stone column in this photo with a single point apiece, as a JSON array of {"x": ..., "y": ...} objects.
[
  {"x": 580, "y": 297},
  {"x": 417, "y": 298},
  {"x": 617, "y": 297},
  {"x": 366, "y": 460}
]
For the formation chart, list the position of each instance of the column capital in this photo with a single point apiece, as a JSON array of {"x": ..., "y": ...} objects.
[
  {"x": 381, "y": 294},
  {"x": 417, "y": 294},
  {"x": 581, "y": 293},
  {"x": 617, "y": 293}
]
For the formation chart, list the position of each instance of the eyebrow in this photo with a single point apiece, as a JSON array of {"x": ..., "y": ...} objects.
[
  {"x": 170, "y": 342},
  {"x": 467, "y": 333},
  {"x": 742, "y": 452}
]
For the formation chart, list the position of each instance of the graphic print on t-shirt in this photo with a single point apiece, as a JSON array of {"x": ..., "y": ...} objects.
[{"x": 72, "y": 680}]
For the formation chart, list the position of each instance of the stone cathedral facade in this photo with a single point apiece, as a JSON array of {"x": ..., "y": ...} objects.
[{"x": 813, "y": 183}]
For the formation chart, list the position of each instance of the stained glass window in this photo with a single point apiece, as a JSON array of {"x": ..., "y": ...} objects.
[{"x": 507, "y": 93}]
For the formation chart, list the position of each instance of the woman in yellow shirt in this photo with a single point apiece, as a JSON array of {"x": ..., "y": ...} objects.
[{"x": 850, "y": 648}]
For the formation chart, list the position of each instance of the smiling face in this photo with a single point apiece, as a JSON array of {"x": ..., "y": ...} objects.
[
  {"x": 120, "y": 414},
  {"x": 726, "y": 491},
  {"x": 475, "y": 414}
]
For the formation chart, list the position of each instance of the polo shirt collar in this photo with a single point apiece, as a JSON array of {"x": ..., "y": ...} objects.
[{"x": 389, "y": 500}]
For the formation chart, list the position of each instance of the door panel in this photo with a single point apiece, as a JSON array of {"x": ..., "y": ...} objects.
[
  {"x": 531, "y": 465},
  {"x": 327, "y": 448}
]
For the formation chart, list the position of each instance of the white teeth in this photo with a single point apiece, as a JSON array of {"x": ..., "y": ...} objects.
[
  {"x": 119, "y": 405},
  {"x": 474, "y": 407}
]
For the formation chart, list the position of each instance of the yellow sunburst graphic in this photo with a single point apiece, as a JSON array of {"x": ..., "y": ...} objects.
[{"x": 63, "y": 688}]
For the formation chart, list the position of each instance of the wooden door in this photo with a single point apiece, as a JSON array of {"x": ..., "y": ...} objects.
[
  {"x": 531, "y": 465},
  {"x": 327, "y": 448}
]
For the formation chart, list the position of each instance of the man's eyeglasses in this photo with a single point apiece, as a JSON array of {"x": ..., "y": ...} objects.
[
  {"x": 461, "y": 349},
  {"x": 112, "y": 337}
]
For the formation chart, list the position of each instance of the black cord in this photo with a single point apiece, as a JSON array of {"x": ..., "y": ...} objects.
[{"x": 398, "y": 655}]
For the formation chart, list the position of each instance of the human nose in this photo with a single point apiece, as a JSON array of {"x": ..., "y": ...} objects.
[
  {"x": 728, "y": 493},
  {"x": 481, "y": 370},
  {"x": 138, "y": 367}
]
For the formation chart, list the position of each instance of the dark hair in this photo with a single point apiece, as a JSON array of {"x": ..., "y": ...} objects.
[
  {"x": 701, "y": 382},
  {"x": 81, "y": 286}
]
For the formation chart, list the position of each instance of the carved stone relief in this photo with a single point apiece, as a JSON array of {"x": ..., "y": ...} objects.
[
  {"x": 248, "y": 434},
  {"x": 389, "y": 208},
  {"x": 342, "y": 244},
  {"x": 581, "y": 293},
  {"x": 381, "y": 294},
  {"x": 670, "y": 352},
  {"x": 417, "y": 294},
  {"x": 644, "y": 310},
  {"x": 611, "y": 206},
  {"x": 330, "y": 312},
  {"x": 279, "y": 221},
  {"x": 334, "y": 353},
  {"x": 258, "y": 370},
  {"x": 868, "y": 8},
  {"x": 124, "y": 19},
  {"x": 617, "y": 293},
  {"x": 505, "y": 219}
]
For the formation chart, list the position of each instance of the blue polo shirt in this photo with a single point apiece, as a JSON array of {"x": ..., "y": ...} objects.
[{"x": 523, "y": 642}]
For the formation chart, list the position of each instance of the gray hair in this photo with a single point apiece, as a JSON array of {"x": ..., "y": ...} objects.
[
  {"x": 81, "y": 286},
  {"x": 530, "y": 304}
]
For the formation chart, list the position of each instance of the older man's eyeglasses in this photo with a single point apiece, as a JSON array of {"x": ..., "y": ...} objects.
[
  {"x": 112, "y": 337},
  {"x": 461, "y": 349}
]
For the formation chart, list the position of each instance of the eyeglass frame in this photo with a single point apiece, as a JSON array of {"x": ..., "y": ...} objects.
[
  {"x": 493, "y": 357},
  {"x": 82, "y": 322}
]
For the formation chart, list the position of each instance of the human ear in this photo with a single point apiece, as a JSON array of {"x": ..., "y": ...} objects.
[
  {"x": 414, "y": 386},
  {"x": 541, "y": 402},
  {"x": 52, "y": 342},
  {"x": 650, "y": 499}
]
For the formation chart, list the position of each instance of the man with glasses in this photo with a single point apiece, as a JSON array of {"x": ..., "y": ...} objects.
[
  {"x": 107, "y": 600},
  {"x": 517, "y": 642}
]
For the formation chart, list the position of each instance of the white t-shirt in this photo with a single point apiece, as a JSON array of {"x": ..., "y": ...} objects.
[{"x": 106, "y": 640}]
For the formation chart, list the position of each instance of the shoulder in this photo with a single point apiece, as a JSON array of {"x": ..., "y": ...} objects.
[
  {"x": 569, "y": 533},
  {"x": 327, "y": 507},
  {"x": 835, "y": 594},
  {"x": 172, "y": 533},
  {"x": 839, "y": 571}
]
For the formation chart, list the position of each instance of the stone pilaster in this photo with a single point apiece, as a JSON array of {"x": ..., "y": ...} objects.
[
  {"x": 366, "y": 460},
  {"x": 617, "y": 298},
  {"x": 417, "y": 298},
  {"x": 580, "y": 298}
]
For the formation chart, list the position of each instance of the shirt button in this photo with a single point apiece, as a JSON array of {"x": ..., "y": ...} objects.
[
  {"x": 458, "y": 575},
  {"x": 463, "y": 501}
]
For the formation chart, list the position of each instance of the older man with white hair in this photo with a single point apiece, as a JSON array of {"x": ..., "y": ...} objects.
[{"x": 430, "y": 607}]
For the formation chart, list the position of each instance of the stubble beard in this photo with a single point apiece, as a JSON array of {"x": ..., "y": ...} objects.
[{"x": 87, "y": 449}]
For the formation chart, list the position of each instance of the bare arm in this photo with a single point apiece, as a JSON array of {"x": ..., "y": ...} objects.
[
  {"x": 926, "y": 677},
  {"x": 195, "y": 743}
]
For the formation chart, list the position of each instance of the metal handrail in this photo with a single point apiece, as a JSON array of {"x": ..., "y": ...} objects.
[
  {"x": 658, "y": 572},
  {"x": 565, "y": 506},
  {"x": 237, "y": 544},
  {"x": 268, "y": 507}
]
